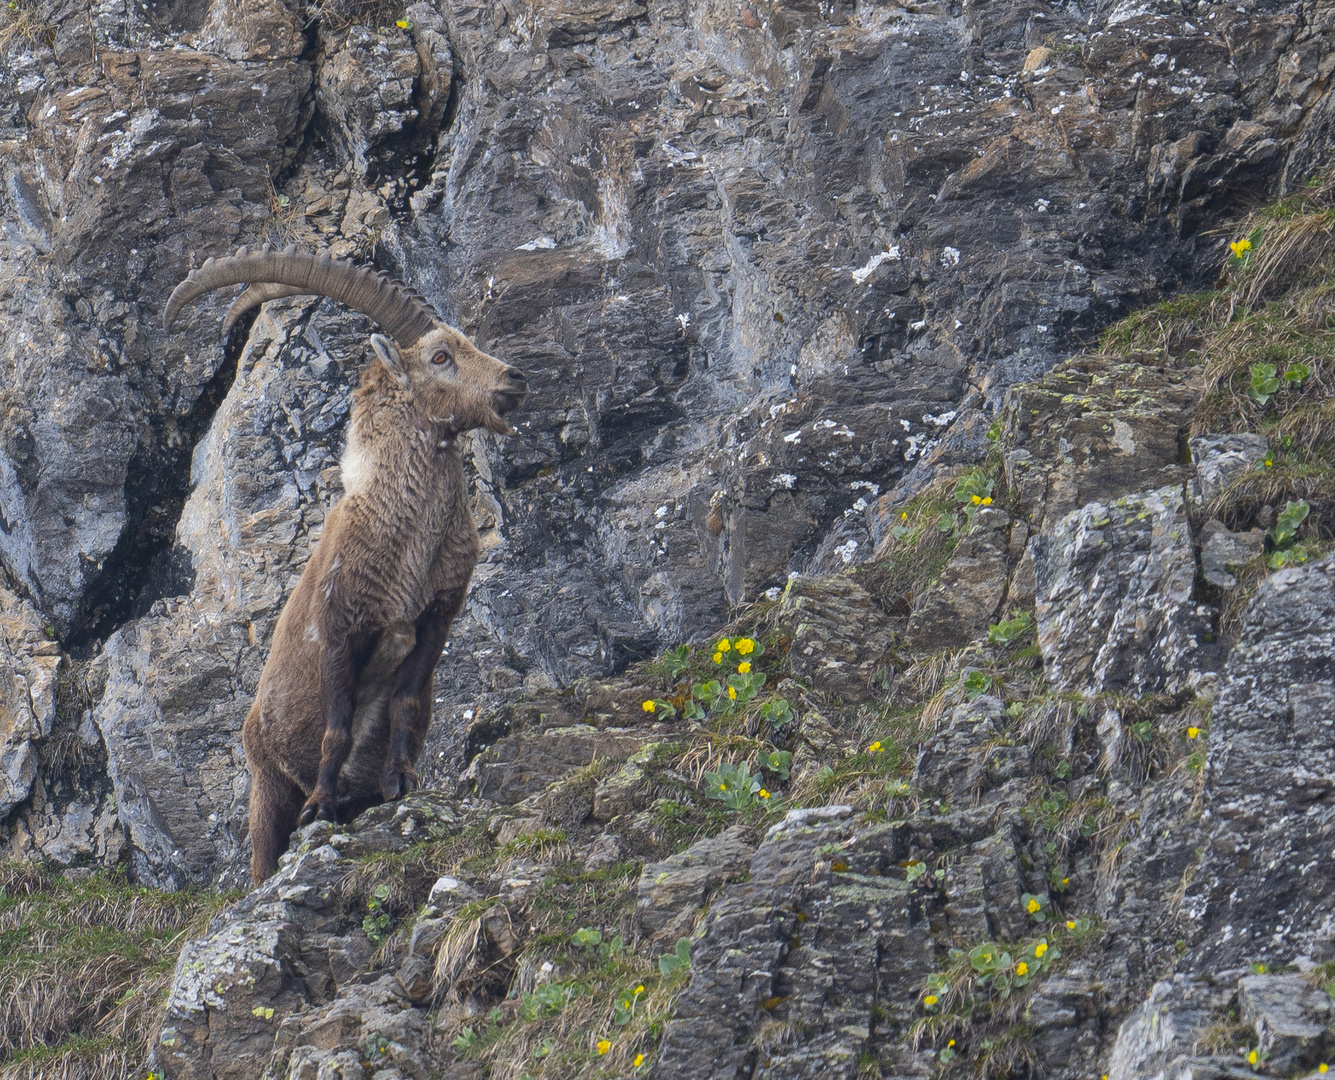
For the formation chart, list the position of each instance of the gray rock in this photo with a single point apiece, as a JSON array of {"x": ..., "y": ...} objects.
[
  {"x": 1159, "y": 1039},
  {"x": 1222, "y": 459},
  {"x": 276, "y": 986},
  {"x": 1291, "y": 1017},
  {"x": 1262, "y": 890},
  {"x": 1223, "y": 551},
  {"x": 840, "y": 637},
  {"x": 958, "y": 609},
  {"x": 1092, "y": 431},
  {"x": 1115, "y": 597},
  {"x": 29, "y": 662},
  {"x": 671, "y": 892}
]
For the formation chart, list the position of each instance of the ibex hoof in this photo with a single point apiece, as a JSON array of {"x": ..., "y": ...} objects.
[
  {"x": 399, "y": 782},
  {"x": 313, "y": 809}
]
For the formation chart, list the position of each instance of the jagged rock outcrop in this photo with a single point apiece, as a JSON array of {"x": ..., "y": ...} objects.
[{"x": 755, "y": 287}]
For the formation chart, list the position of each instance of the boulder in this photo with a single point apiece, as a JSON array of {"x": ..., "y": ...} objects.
[
  {"x": 840, "y": 637},
  {"x": 671, "y": 892},
  {"x": 1115, "y": 597}
]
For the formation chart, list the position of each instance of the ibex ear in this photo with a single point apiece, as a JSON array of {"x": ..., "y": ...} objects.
[{"x": 389, "y": 355}]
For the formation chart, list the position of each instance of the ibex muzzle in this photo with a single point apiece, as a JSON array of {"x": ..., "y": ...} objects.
[{"x": 344, "y": 701}]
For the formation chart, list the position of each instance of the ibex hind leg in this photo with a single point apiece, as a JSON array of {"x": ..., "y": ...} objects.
[{"x": 275, "y": 803}]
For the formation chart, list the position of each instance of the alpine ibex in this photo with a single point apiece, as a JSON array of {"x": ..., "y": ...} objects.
[{"x": 344, "y": 701}]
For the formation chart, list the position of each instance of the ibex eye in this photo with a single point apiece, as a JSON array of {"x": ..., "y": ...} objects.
[{"x": 441, "y": 357}]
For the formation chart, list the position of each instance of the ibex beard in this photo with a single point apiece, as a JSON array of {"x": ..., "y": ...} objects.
[{"x": 344, "y": 702}]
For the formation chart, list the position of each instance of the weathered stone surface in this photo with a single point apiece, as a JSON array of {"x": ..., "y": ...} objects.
[
  {"x": 1291, "y": 1017},
  {"x": 29, "y": 660},
  {"x": 1222, "y": 459},
  {"x": 671, "y": 892},
  {"x": 959, "y": 607},
  {"x": 840, "y": 635},
  {"x": 366, "y": 88},
  {"x": 1262, "y": 891},
  {"x": 278, "y": 977},
  {"x": 969, "y": 755},
  {"x": 1114, "y": 597},
  {"x": 1160, "y": 1038},
  {"x": 1092, "y": 431},
  {"x": 251, "y": 30},
  {"x": 1223, "y": 551}
]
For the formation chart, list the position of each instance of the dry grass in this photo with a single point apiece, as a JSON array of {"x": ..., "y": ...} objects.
[
  {"x": 84, "y": 967},
  {"x": 24, "y": 21}
]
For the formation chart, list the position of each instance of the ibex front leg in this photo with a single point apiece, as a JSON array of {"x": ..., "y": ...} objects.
[
  {"x": 337, "y": 686},
  {"x": 410, "y": 707}
]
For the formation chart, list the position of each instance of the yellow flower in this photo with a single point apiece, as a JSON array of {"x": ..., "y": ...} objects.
[
  {"x": 1239, "y": 248},
  {"x": 743, "y": 668},
  {"x": 763, "y": 793},
  {"x": 718, "y": 658},
  {"x": 745, "y": 646},
  {"x": 639, "y": 1060},
  {"x": 1021, "y": 968},
  {"x": 1070, "y": 924},
  {"x": 951, "y": 1043},
  {"x": 604, "y": 1045},
  {"x": 724, "y": 645},
  {"x": 648, "y": 706},
  {"x": 1269, "y": 462},
  {"x": 1192, "y": 732},
  {"x": 402, "y": 24},
  {"x": 639, "y": 990},
  {"x": 1323, "y": 1068},
  {"x": 930, "y": 999},
  {"x": 1040, "y": 948},
  {"x": 1034, "y": 905},
  {"x": 732, "y": 692},
  {"x": 987, "y": 501},
  {"x": 1251, "y": 1058},
  {"x": 876, "y": 748},
  {"x": 977, "y": 500},
  {"x": 723, "y": 787},
  {"x": 904, "y": 516}
]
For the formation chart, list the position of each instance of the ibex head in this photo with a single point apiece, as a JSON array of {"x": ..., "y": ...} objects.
[{"x": 453, "y": 381}]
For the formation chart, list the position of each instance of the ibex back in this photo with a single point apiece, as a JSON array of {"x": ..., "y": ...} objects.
[{"x": 344, "y": 701}]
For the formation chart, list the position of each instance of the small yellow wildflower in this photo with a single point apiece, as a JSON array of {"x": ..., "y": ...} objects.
[
  {"x": 1040, "y": 948},
  {"x": 1070, "y": 924},
  {"x": 1252, "y": 1058},
  {"x": 745, "y": 646},
  {"x": 625, "y": 1004},
  {"x": 977, "y": 500},
  {"x": 930, "y": 999},
  {"x": 987, "y": 501},
  {"x": 763, "y": 793},
  {"x": 951, "y": 1043},
  {"x": 1240, "y": 248},
  {"x": 402, "y": 24},
  {"x": 904, "y": 516},
  {"x": 723, "y": 787},
  {"x": 1269, "y": 462},
  {"x": 648, "y": 706},
  {"x": 1192, "y": 732},
  {"x": 1323, "y": 1068},
  {"x": 724, "y": 645},
  {"x": 1034, "y": 905},
  {"x": 1021, "y": 968},
  {"x": 732, "y": 692},
  {"x": 743, "y": 668},
  {"x": 639, "y": 1060},
  {"x": 604, "y": 1045},
  {"x": 718, "y": 658},
  {"x": 876, "y": 748},
  {"x": 639, "y": 990}
]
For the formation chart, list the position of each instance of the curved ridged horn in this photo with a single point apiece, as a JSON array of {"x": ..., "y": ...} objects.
[
  {"x": 402, "y": 312},
  {"x": 253, "y": 297}
]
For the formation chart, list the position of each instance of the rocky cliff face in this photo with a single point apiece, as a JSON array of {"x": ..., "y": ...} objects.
[{"x": 782, "y": 276}]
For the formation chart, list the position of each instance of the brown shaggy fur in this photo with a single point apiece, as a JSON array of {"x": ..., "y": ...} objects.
[{"x": 343, "y": 704}]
